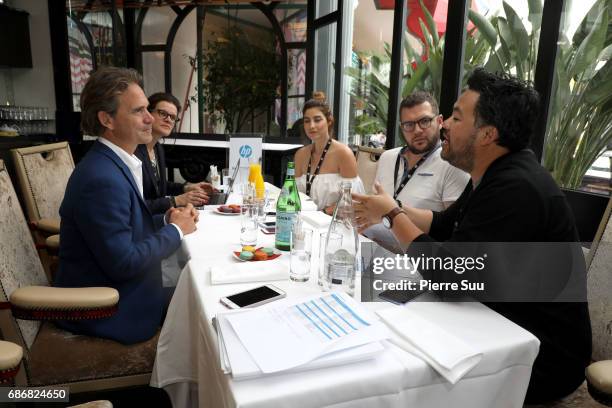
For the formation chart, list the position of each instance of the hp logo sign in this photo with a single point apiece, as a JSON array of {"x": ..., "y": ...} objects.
[{"x": 245, "y": 151}]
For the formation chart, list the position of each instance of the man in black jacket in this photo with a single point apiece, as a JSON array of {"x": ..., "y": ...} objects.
[
  {"x": 511, "y": 200},
  {"x": 160, "y": 193}
]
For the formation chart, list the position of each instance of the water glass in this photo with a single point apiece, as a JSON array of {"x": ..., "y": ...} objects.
[
  {"x": 335, "y": 243},
  {"x": 225, "y": 177},
  {"x": 248, "y": 225},
  {"x": 260, "y": 209},
  {"x": 301, "y": 250},
  {"x": 248, "y": 193}
]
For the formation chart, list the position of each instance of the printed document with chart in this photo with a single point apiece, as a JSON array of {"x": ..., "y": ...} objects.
[{"x": 289, "y": 333}]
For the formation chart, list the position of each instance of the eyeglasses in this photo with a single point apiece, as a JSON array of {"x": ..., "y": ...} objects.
[
  {"x": 166, "y": 115},
  {"x": 409, "y": 125}
]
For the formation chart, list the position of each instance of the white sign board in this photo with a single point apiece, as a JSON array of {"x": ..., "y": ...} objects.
[{"x": 248, "y": 150}]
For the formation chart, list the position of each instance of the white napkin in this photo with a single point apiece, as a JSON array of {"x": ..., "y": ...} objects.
[
  {"x": 248, "y": 272},
  {"x": 316, "y": 218},
  {"x": 447, "y": 354}
]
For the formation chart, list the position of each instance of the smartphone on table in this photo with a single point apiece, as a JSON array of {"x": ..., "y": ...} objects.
[
  {"x": 253, "y": 297},
  {"x": 399, "y": 297}
]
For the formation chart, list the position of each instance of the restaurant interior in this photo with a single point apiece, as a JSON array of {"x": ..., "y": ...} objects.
[{"x": 243, "y": 71}]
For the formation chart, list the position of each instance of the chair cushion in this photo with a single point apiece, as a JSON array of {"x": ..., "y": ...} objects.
[
  {"x": 51, "y": 225},
  {"x": 59, "y": 357},
  {"x": 53, "y": 242},
  {"x": 47, "y": 298},
  {"x": 94, "y": 404},
  {"x": 10, "y": 355},
  {"x": 599, "y": 375}
]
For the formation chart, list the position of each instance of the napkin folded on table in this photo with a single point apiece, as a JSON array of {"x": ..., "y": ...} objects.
[
  {"x": 450, "y": 356},
  {"x": 316, "y": 218},
  {"x": 248, "y": 272}
]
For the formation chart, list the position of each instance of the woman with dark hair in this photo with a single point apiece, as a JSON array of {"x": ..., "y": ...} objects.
[
  {"x": 159, "y": 193},
  {"x": 321, "y": 166}
]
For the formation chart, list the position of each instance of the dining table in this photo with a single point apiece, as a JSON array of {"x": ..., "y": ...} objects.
[{"x": 188, "y": 366}]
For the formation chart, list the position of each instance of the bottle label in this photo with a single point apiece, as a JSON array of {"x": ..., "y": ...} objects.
[
  {"x": 284, "y": 225},
  {"x": 291, "y": 172}
]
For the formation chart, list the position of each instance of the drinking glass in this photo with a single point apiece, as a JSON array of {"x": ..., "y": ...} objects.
[
  {"x": 225, "y": 178},
  {"x": 248, "y": 193},
  {"x": 301, "y": 250},
  {"x": 248, "y": 225}
]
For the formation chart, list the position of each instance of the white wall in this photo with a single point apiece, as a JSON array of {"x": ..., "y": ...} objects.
[{"x": 32, "y": 86}]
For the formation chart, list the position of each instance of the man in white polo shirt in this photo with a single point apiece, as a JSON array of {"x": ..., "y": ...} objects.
[{"x": 415, "y": 174}]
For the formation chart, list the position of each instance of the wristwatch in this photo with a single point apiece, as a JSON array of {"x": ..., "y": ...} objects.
[{"x": 387, "y": 219}]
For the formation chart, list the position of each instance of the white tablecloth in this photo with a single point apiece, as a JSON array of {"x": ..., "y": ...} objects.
[{"x": 187, "y": 361}]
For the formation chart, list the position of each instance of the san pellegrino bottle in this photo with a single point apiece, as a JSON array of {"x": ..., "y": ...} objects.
[
  {"x": 341, "y": 246},
  {"x": 287, "y": 206}
]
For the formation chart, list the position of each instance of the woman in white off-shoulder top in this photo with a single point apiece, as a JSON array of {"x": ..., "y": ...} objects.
[{"x": 321, "y": 166}]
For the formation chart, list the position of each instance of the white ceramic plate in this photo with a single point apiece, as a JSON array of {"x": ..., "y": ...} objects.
[
  {"x": 216, "y": 211},
  {"x": 276, "y": 252}
]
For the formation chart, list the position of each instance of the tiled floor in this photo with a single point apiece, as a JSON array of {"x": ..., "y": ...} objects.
[{"x": 579, "y": 399}]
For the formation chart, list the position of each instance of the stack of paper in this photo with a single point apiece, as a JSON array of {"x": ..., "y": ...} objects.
[{"x": 314, "y": 332}]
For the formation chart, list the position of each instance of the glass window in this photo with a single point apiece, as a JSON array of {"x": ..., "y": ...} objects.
[
  {"x": 423, "y": 53},
  {"x": 325, "y": 7},
  {"x": 367, "y": 77},
  {"x": 578, "y": 147},
  {"x": 241, "y": 64},
  {"x": 293, "y": 23},
  {"x": 297, "y": 71},
  {"x": 184, "y": 74},
  {"x": 504, "y": 36},
  {"x": 100, "y": 25},
  {"x": 325, "y": 60},
  {"x": 156, "y": 24},
  {"x": 153, "y": 72},
  {"x": 81, "y": 62},
  {"x": 294, "y": 113}
]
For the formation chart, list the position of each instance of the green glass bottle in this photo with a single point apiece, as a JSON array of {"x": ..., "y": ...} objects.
[{"x": 287, "y": 207}]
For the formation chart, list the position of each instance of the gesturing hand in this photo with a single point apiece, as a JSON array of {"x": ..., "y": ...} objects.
[{"x": 369, "y": 209}]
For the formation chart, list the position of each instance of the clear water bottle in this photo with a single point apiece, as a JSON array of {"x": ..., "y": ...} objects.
[{"x": 341, "y": 246}]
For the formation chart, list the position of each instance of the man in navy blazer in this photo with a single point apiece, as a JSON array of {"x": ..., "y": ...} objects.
[{"x": 109, "y": 236}]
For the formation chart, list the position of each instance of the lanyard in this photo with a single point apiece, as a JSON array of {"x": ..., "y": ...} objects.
[
  {"x": 407, "y": 175},
  {"x": 309, "y": 179}
]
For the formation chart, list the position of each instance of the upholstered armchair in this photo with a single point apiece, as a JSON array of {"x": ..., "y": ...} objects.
[
  {"x": 599, "y": 281},
  {"x": 43, "y": 172},
  {"x": 10, "y": 358},
  {"x": 52, "y": 356},
  {"x": 367, "y": 164}
]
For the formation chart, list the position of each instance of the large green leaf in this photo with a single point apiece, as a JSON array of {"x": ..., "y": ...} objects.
[
  {"x": 433, "y": 29},
  {"x": 520, "y": 38},
  {"x": 411, "y": 83},
  {"x": 600, "y": 87},
  {"x": 484, "y": 26},
  {"x": 535, "y": 14},
  {"x": 591, "y": 46},
  {"x": 505, "y": 39}
]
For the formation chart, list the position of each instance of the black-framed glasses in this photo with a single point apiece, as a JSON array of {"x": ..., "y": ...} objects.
[
  {"x": 424, "y": 123},
  {"x": 167, "y": 115}
]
